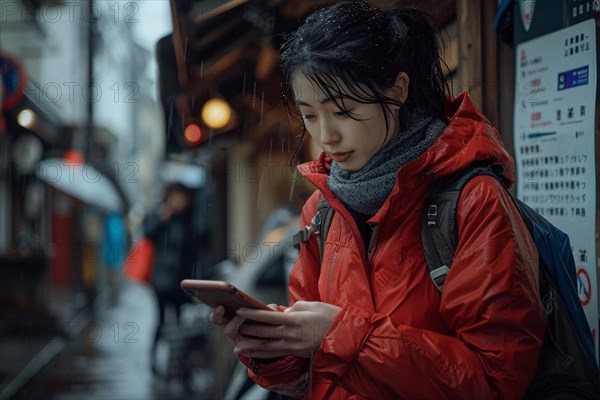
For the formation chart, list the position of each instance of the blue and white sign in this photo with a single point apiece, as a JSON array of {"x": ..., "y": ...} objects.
[
  {"x": 554, "y": 119},
  {"x": 573, "y": 78}
]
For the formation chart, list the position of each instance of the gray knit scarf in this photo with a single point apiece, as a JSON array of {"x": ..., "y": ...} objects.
[{"x": 366, "y": 190}]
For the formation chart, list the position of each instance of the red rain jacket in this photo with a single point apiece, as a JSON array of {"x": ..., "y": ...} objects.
[{"x": 396, "y": 336}]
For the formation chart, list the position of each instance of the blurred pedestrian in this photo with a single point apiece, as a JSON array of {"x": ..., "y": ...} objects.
[
  {"x": 114, "y": 251},
  {"x": 171, "y": 228},
  {"x": 368, "y": 321}
]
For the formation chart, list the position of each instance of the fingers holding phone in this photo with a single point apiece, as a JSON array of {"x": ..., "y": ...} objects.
[
  {"x": 297, "y": 330},
  {"x": 226, "y": 299},
  {"x": 231, "y": 327}
]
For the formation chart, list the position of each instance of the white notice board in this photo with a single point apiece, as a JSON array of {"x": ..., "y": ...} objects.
[{"x": 554, "y": 143}]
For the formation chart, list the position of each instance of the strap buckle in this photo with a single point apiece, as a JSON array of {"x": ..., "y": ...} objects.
[
  {"x": 438, "y": 276},
  {"x": 432, "y": 213},
  {"x": 304, "y": 234}
]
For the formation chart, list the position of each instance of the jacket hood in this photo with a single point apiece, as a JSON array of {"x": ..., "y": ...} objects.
[{"x": 468, "y": 138}]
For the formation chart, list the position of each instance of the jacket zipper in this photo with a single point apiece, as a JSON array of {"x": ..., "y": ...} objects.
[
  {"x": 369, "y": 254},
  {"x": 254, "y": 367}
]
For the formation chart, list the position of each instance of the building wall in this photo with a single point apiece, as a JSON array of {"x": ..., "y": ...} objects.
[{"x": 52, "y": 43}]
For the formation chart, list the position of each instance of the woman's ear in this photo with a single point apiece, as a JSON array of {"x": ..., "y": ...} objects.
[{"x": 399, "y": 89}]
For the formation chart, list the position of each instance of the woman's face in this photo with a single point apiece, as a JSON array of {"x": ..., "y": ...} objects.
[{"x": 348, "y": 141}]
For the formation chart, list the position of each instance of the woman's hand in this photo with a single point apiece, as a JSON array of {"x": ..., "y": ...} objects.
[
  {"x": 298, "y": 330},
  {"x": 230, "y": 327}
]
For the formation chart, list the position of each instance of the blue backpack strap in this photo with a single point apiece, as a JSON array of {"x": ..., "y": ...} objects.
[
  {"x": 439, "y": 234},
  {"x": 567, "y": 365},
  {"x": 558, "y": 272}
]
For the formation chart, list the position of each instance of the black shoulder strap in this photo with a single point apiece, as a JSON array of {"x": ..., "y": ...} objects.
[
  {"x": 326, "y": 212},
  {"x": 319, "y": 225},
  {"x": 438, "y": 224}
]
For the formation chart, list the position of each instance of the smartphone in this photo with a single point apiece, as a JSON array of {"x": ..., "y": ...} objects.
[{"x": 221, "y": 293}]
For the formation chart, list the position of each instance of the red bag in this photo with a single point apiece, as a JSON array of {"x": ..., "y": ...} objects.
[{"x": 140, "y": 261}]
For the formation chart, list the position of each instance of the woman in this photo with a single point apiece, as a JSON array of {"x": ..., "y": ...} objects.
[{"x": 368, "y": 321}]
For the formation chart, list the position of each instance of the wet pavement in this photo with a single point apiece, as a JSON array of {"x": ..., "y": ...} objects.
[
  {"x": 107, "y": 355},
  {"x": 109, "y": 359}
]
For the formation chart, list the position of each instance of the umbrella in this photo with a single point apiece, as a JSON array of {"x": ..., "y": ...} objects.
[
  {"x": 82, "y": 181},
  {"x": 192, "y": 176}
]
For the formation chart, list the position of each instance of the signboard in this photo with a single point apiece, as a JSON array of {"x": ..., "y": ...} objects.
[
  {"x": 554, "y": 119},
  {"x": 12, "y": 81}
]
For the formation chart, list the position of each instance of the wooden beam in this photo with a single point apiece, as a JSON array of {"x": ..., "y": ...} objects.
[
  {"x": 491, "y": 74},
  {"x": 179, "y": 44},
  {"x": 470, "y": 74}
]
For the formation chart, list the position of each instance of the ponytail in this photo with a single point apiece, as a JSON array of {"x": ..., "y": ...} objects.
[{"x": 418, "y": 49}]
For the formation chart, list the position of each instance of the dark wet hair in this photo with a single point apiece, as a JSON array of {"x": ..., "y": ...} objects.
[
  {"x": 363, "y": 46},
  {"x": 179, "y": 187}
]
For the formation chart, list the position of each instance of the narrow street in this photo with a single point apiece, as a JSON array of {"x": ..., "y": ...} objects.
[{"x": 110, "y": 357}]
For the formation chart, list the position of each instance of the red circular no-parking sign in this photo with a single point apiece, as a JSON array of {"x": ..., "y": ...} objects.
[{"x": 584, "y": 286}]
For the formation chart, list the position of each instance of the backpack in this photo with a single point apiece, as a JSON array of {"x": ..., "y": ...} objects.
[{"x": 567, "y": 362}]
